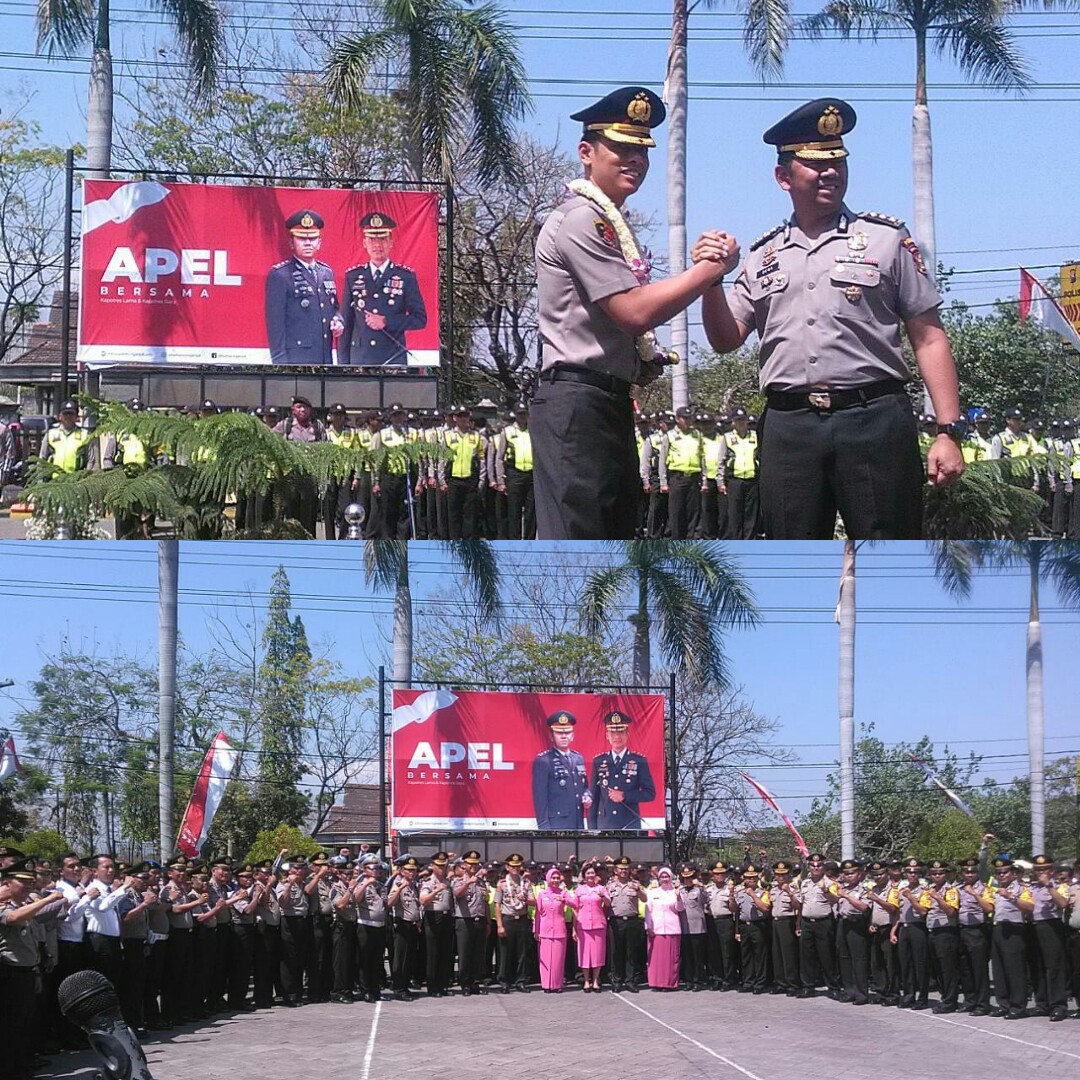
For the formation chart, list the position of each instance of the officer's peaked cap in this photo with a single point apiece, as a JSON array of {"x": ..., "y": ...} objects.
[
  {"x": 813, "y": 131},
  {"x": 626, "y": 115}
]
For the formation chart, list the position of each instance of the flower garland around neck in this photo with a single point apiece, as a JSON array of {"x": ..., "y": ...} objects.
[{"x": 648, "y": 348}]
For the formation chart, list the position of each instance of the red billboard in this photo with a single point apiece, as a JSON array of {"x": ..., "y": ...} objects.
[
  {"x": 546, "y": 762},
  {"x": 226, "y": 274}
]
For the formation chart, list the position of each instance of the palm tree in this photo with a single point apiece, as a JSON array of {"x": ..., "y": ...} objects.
[
  {"x": 66, "y": 25},
  {"x": 766, "y": 29},
  {"x": 691, "y": 589},
  {"x": 168, "y": 573},
  {"x": 972, "y": 32},
  {"x": 1053, "y": 560},
  {"x": 845, "y": 617},
  {"x": 386, "y": 562},
  {"x": 462, "y": 82}
]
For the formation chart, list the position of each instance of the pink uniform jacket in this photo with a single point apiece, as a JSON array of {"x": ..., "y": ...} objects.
[
  {"x": 662, "y": 907},
  {"x": 591, "y": 914},
  {"x": 550, "y": 921}
]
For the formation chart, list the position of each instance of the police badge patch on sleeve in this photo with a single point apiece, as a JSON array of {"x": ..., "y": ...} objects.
[
  {"x": 913, "y": 249},
  {"x": 606, "y": 233}
]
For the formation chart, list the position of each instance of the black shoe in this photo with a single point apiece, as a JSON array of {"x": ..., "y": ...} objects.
[
  {"x": 480, "y": 989},
  {"x": 504, "y": 989},
  {"x": 920, "y": 1005},
  {"x": 746, "y": 989},
  {"x": 1059, "y": 1014},
  {"x": 632, "y": 987},
  {"x": 616, "y": 988},
  {"x": 697, "y": 988},
  {"x": 290, "y": 1004},
  {"x": 466, "y": 991},
  {"x": 906, "y": 1003},
  {"x": 979, "y": 1010},
  {"x": 1016, "y": 1014},
  {"x": 860, "y": 1001},
  {"x": 806, "y": 992},
  {"x": 778, "y": 990},
  {"x": 998, "y": 1011},
  {"x": 338, "y": 999},
  {"x": 404, "y": 995},
  {"x": 1039, "y": 1010},
  {"x": 964, "y": 1007},
  {"x": 944, "y": 1007},
  {"x": 522, "y": 988}
]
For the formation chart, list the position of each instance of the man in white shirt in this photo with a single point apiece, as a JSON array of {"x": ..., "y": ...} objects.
[{"x": 99, "y": 903}]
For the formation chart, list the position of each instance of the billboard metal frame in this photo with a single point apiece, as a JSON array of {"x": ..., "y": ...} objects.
[{"x": 671, "y": 802}]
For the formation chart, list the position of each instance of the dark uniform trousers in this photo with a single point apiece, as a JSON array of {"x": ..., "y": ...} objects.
[
  {"x": 743, "y": 508},
  {"x": 817, "y": 953},
  {"x": 461, "y": 502},
  {"x": 883, "y": 964},
  {"x": 709, "y": 525},
  {"x": 627, "y": 948},
  {"x": 1007, "y": 963},
  {"x": 133, "y": 981},
  {"x": 585, "y": 461},
  {"x": 754, "y": 950},
  {"x": 471, "y": 950},
  {"x": 372, "y": 943},
  {"x": 338, "y": 495},
  {"x": 18, "y": 1004},
  {"x": 393, "y": 511},
  {"x": 945, "y": 949},
  {"x": 176, "y": 992},
  {"x": 521, "y": 505},
  {"x": 515, "y": 947},
  {"x": 266, "y": 962},
  {"x": 914, "y": 953},
  {"x": 203, "y": 956},
  {"x": 684, "y": 503},
  {"x": 153, "y": 988},
  {"x": 344, "y": 956},
  {"x": 72, "y": 956},
  {"x": 862, "y": 461},
  {"x": 222, "y": 964},
  {"x": 105, "y": 956},
  {"x": 785, "y": 953},
  {"x": 1049, "y": 975},
  {"x": 439, "y": 948},
  {"x": 722, "y": 952},
  {"x": 320, "y": 972},
  {"x": 406, "y": 942},
  {"x": 241, "y": 958},
  {"x": 692, "y": 953},
  {"x": 853, "y": 954},
  {"x": 295, "y": 950},
  {"x": 975, "y": 965}
]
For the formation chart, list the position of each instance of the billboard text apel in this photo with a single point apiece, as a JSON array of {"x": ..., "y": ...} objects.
[
  {"x": 226, "y": 274},
  {"x": 547, "y": 762}
]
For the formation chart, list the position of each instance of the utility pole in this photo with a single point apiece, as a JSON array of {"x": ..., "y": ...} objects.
[{"x": 168, "y": 572}]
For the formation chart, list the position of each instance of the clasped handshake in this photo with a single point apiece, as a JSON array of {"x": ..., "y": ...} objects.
[{"x": 718, "y": 247}]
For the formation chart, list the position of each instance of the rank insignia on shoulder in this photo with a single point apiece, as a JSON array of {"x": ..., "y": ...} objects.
[
  {"x": 908, "y": 243},
  {"x": 765, "y": 236},
  {"x": 606, "y": 232},
  {"x": 882, "y": 219}
]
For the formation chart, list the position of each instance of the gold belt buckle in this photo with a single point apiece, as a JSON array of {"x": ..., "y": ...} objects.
[{"x": 820, "y": 400}]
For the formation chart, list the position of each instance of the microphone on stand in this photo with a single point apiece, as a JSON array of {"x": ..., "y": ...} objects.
[{"x": 88, "y": 1000}]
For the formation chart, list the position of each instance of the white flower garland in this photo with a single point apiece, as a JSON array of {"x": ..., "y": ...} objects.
[{"x": 648, "y": 348}]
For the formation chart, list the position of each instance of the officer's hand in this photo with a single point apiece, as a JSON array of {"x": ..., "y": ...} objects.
[
  {"x": 663, "y": 489},
  {"x": 719, "y": 247},
  {"x": 375, "y": 322},
  {"x": 721, "y": 488},
  {"x": 337, "y": 324},
  {"x": 375, "y": 489},
  {"x": 944, "y": 462},
  {"x": 648, "y": 372},
  {"x": 646, "y": 486},
  {"x": 501, "y": 488},
  {"x": 615, "y": 795}
]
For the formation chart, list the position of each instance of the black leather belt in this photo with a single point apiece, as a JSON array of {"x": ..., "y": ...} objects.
[
  {"x": 627, "y": 918},
  {"x": 515, "y": 918},
  {"x": 817, "y": 918},
  {"x": 589, "y": 378},
  {"x": 825, "y": 400},
  {"x": 473, "y": 918}
]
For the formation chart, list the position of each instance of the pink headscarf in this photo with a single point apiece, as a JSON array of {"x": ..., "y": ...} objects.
[
  {"x": 665, "y": 870},
  {"x": 554, "y": 870}
]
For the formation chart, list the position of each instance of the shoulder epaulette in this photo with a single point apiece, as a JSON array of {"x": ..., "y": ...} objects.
[
  {"x": 766, "y": 236},
  {"x": 284, "y": 262},
  {"x": 882, "y": 219},
  {"x": 358, "y": 266}
]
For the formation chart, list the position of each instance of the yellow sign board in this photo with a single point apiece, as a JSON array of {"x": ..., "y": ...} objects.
[{"x": 1070, "y": 293}]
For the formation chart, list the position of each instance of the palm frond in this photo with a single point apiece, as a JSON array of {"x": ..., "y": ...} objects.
[
  {"x": 984, "y": 48},
  {"x": 854, "y": 18},
  {"x": 715, "y": 579},
  {"x": 384, "y": 561},
  {"x": 64, "y": 25},
  {"x": 353, "y": 58},
  {"x": 479, "y": 561},
  {"x": 198, "y": 26},
  {"x": 992, "y": 499},
  {"x": 767, "y": 27},
  {"x": 953, "y": 566},
  {"x": 1062, "y": 563},
  {"x": 599, "y": 597},
  {"x": 689, "y": 638}
]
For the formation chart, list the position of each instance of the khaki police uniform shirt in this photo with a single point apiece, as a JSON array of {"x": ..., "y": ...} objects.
[
  {"x": 971, "y": 913},
  {"x": 828, "y": 311},
  {"x": 624, "y": 898},
  {"x": 937, "y": 916},
  {"x": 748, "y": 910},
  {"x": 880, "y": 916},
  {"x": 718, "y": 897},
  {"x": 18, "y": 948},
  {"x": 692, "y": 916},
  {"x": 347, "y": 913},
  {"x": 783, "y": 905},
  {"x": 513, "y": 898},
  {"x": 444, "y": 899},
  {"x": 845, "y": 909},
  {"x": 815, "y": 898},
  {"x": 1045, "y": 908},
  {"x": 371, "y": 903},
  {"x": 1005, "y": 907},
  {"x": 473, "y": 902},
  {"x": 578, "y": 262},
  {"x": 914, "y": 910},
  {"x": 406, "y": 905}
]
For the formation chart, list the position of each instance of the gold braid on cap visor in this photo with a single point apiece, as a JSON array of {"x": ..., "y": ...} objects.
[
  {"x": 627, "y": 133},
  {"x": 816, "y": 151}
]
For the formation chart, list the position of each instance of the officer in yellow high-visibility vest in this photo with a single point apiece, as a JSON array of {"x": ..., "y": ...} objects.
[
  {"x": 69, "y": 447},
  {"x": 712, "y": 526},
  {"x": 682, "y": 471},
  {"x": 463, "y": 475},
  {"x": 338, "y": 493},
  {"x": 132, "y": 454},
  {"x": 393, "y": 476},
  {"x": 1014, "y": 441},
  {"x": 1043, "y": 481},
  {"x": 514, "y": 475},
  {"x": 978, "y": 444},
  {"x": 741, "y": 477}
]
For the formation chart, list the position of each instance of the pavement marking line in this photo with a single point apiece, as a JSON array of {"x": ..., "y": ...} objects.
[
  {"x": 365, "y": 1072},
  {"x": 999, "y": 1035},
  {"x": 682, "y": 1035}
]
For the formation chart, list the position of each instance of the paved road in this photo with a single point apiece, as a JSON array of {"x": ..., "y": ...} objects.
[{"x": 676, "y": 1036}]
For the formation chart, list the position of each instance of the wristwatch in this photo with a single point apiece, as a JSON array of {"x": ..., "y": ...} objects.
[{"x": 956, "y": 430}]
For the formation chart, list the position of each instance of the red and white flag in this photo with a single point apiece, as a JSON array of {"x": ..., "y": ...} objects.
[
  {"x": 800, "y": 843},
  {"x": 1037, "y": 304},
  {"x": 210, "y": 784},
  {"x": 9, "y": 760}
]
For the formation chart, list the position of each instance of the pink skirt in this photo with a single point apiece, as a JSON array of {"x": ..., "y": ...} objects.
[
  {"x": 591, "y": 947},
  {"x": 552, "y": 960},
  {"x": 664, "y": 960}
]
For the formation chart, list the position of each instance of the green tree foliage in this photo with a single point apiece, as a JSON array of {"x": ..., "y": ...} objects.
[
  {"x": 718, "y": 383},
  {"x": 44, "y": 844},
  {"x": 269, "y": 843},
  {"x": 949, "y": 835}
]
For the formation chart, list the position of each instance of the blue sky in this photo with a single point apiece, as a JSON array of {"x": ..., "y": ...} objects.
[
  {"x": 924, "y": 663},
  {"x": 1001, "y": 165}
]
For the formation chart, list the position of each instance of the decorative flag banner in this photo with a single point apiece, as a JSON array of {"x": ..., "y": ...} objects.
[
  {"x": 206, "y": 797},
  {"x": 232, "y": 274},
  {"x": 766, "y": 795},
  {"x": 1070, "y": 293},
  {"x": 950, "y": 795},
  {"x": 1037, "y": 303},
  {"x": 524, "y": 762},
  {"x": 9, "y": 760}
]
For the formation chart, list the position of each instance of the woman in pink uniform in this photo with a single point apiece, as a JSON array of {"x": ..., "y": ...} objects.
[
  {"x": 549, "y": 929},
  {"x": 590, "y": 927},
  {"x": 663, "y": 903}
]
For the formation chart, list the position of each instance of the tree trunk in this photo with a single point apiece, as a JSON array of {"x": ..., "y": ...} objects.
[
  {"x": 676, "y": 101},
  {"x": 168, "y": 570},
  {"x": 846, "y": 701},
  {"x": 403, "y": 624},
  {"x": 922, "y": 158},
  {"x": 1036, "y": 748},
  {"x": 99, "y": 108},
  {"x": 642, "y": 670}
]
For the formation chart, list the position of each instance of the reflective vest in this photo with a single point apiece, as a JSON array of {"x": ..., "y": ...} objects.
[
  {"x": 465, "y": 446},
  {"x": 346, "y": 437},
  {"x": 132, "y": 450},
  {"x": 1038, "y": 447},
  {"x": 744, "y": 454},
  {"x": 364, "y": 438},
  {"x": 67, "y": 448},
  {"x": 976, "y": 448},
  {"x": 1022, "y": 445},
  {"x": 683, "y": 452},
  {"x": 395, "y": 463},
  {"x": 1075, "y": 470},
  {"x": 521, "y": 443},
  {"x": 712, "y": 454}
]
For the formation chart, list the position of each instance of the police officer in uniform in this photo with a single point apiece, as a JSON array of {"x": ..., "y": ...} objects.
[
  {"x": 511, "y": 901},
  {"x": 976, "y": 903},
  {"x": 911, "y": 937},
  {"x": 817, "y": 942},
  {"x": 1013, "y": 441},
  {"x": 712, "y": 447},
  {"x": 943, "y": 924},
  {"x": 1012, "y": 902},
  {"x": 785, "y": 942},
  {"x": 1049, "y": 974},
  {"x": 682, "y": 472},
  {"x": 298, "y": 495},
  {"x": 403, "y": 903},
  {"x": 514, "y": 475},
  {"x": 720, "y": 922},
  {"x": 338, "y": 492},
  {"x": 471, "y": 922},
  {"x": 393, "y": 477},
  {"x": 740, "y": 465},
  {"x": 69, "y": 447},
  {"x": 693, "y": 947},
  {"x": 884, "y": 911},
  {"x": 463, "y": 477},
  {"x": 627, "y": 941},
  {"x": 383, "y": 301},
  {"x": 853, "y": 933},
  {"x": 827, "y": 291},
  {"x": 559, "y": 782},
  {"x": 437, "y": 900},
  {"x": 752, "y": 931},
  {"x": 596, "y": 313},
  {"x": 621, "y": 780},
  {"x": 301, "y": 298}
]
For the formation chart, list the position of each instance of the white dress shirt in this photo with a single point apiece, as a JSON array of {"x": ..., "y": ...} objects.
[
  {"x": 72, "y": 926},
  {"x": 101, "y": 916}
]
